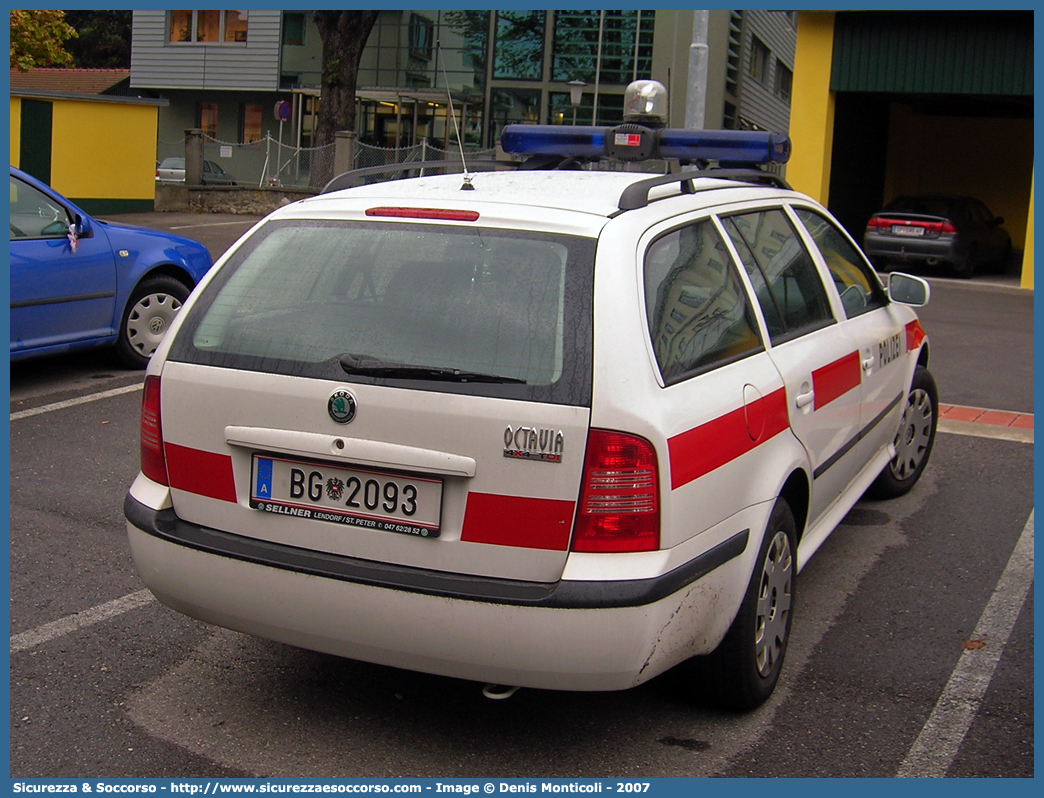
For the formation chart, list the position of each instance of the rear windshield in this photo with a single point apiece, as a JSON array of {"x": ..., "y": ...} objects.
[
  {"x": 509, "y": 310},
  {"x": 927, "y": 206}
]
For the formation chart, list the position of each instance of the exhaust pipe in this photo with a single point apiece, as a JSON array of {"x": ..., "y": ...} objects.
[{"x": 498, "y": 692}]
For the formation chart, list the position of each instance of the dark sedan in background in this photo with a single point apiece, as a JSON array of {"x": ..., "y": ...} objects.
[
  {"x": 933, "y": 229},
  {"x": 78, "y": 282}
]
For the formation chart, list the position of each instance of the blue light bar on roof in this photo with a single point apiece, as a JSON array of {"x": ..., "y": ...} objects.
[
  {"x": 740, "y": 146},
  {"x": 568, "y": 140},
  {"x": 746, "y": 146}
]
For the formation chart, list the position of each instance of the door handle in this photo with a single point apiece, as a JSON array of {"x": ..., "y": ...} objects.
[
  {"x": 805, "y": 399},
  {"x": 868, "y": 363}
]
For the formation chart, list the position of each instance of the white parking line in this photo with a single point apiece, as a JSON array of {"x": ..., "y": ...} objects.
[
  {"x": 936, "y": 746},
  {"x": 79, "y": 400},
  {"x": 49, "y": 631}
]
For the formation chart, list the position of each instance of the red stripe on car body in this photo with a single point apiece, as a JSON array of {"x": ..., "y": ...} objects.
[
  {"x": 518, "y": 521},
  {"x": 836, "y": 379},
  {"x": 705, "y": 448},
  {"x": 915, "y": 335},
  {"x": 200, "y": 472}
]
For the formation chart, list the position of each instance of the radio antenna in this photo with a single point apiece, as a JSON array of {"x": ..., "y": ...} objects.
[{"x": 449, "y": 96}]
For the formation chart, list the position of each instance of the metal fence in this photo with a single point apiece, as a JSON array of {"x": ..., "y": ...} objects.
[{"x": 271, "y": 163}]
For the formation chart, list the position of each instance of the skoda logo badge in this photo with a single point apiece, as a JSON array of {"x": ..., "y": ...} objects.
[{"x": 341, "y": 407}]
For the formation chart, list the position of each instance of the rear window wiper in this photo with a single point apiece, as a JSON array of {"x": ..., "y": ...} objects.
[{"x": 354, "y": 364}]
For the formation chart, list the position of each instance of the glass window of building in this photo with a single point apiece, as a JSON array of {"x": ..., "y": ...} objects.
[
  {"x": 513, "y": 105},
  {"x": 208, "y": 120},
  {"x": 626, "y": 45},
  {"x": 759, "y": 59},
  {"x": 519, "y": 48},
  {"x": 251, "y": 127},
  {"x": 293, "y": 28},
  {"x": 560, "y": 109},
  {"x": 208, "y": 27}
]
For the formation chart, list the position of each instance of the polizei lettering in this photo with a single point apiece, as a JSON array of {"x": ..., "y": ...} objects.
[{"x": 534, "y": 443}]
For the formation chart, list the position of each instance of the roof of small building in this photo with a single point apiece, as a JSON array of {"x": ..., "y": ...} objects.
[{"x": 68, "y": 81}]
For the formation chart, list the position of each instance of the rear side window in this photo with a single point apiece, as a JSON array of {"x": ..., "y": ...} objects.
[
  {"x": 511, "y": 306},
  {"x": 785, "y": 279},
  {"x": 697, "y": 308},
  {"x": 859, "y": 289}
]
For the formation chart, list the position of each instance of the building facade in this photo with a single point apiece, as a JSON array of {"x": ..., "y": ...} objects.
[{"x": 226, "y": 71}]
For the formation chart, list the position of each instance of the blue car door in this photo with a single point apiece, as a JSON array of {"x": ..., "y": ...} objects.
[{"x": 61, "y": 293}]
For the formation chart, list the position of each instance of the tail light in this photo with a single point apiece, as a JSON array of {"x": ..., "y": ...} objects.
[
  {"x": 153, "y": 461},
  {"x": 620, "y": 495}
]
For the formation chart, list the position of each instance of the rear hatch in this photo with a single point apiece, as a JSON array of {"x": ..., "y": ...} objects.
[
  {"x": 915, "y": 218},
  {"x": 412, "y": 392}
]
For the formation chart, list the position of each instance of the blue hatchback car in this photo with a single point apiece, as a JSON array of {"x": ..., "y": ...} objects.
[{"x": 79, "y": 282}]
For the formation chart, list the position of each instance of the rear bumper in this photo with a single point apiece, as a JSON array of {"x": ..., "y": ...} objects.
[
  {"x": 911, "y": 250},
  {"x": 565, "y": 635}
]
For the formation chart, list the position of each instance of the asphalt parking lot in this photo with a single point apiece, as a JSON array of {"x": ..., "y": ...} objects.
[{"x": 106, "y": 682}]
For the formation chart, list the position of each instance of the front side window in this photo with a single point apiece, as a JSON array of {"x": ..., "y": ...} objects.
[
  {"x": 859, "y": 289},
  {"x": 508, "y": 306},
  {"x": 785, "y": 279},
  {"x": 34, "y": 214},
  {"x": 208, "y": 27},
  {"x": 695, "y": 303}
]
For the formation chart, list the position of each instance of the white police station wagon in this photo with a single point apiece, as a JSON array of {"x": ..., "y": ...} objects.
[{"x": 552, "y": 427}]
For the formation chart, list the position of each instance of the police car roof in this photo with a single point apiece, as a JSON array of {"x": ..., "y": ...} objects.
[{"x": 589, "y": 192}]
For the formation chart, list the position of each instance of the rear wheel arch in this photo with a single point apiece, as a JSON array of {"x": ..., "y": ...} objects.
[{"x": 796, "y": 493}]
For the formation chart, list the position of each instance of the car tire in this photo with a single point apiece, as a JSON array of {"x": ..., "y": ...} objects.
[
  {"x": 151, "y": 309},
  {"x": 1001, "y": 267},
  {"x": 913, "y": 440},
  {"x": 741, "y": 673},
  {"x": 965, "y": 268}
]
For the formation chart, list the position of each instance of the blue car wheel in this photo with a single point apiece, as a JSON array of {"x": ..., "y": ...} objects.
[{"x": 149, "y": 313}]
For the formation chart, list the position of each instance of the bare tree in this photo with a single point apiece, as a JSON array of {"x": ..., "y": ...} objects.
[{"x": 344, "y": 35}]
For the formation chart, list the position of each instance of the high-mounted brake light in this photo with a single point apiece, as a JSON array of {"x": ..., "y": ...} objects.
[
  {"x": 424, "y": 213},
  {"x": 635, "y": 142},
  {"x": 153, "y": 460},
  {"x": 619, "y": 507}
]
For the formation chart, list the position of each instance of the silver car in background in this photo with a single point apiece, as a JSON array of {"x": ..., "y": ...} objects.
[{"x": 172, "y": 170}]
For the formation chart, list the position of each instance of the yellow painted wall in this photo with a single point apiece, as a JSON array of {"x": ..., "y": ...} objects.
[
  {"x": 104, "y": 150},
  {"x": 812, "y": 106},
  {"x": 1027, "y": 254},
  {"x": 16, "y": 130},
  {"x": 945, "y": 154},
  {"x": 99, "y": 150}
]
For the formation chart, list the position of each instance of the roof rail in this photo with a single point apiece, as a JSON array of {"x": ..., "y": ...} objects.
[
  {"x": 356, "y": 177},
  {"x": 636, "y": 195}
]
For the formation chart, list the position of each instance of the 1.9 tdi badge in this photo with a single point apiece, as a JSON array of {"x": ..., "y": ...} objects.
[{"x": 341, "y": 406}]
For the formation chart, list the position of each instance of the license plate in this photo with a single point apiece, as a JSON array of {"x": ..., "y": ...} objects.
[
  {"x": 907, "y": 230},
  {"x": 356, "y": 497}
]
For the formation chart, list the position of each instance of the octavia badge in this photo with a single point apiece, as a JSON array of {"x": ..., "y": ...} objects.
[{"x": 341, "y": 406}]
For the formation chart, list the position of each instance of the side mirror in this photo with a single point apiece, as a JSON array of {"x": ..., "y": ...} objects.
[
  {"x": 906, "y": 289},
  {"x": 83, "y": 226}
]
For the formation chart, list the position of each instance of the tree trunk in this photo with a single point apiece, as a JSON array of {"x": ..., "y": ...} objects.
[{"x": 344, "y": 35}]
